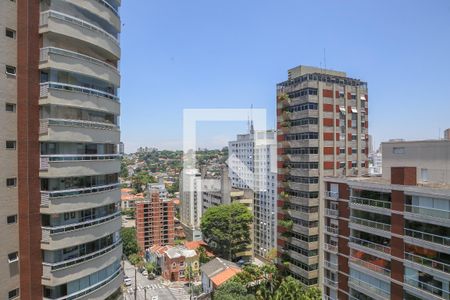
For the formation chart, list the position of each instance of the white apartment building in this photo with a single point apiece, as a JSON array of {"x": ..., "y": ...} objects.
[
  {"x": 252, "y": 163},
  {"x": 191, "y": 203}
]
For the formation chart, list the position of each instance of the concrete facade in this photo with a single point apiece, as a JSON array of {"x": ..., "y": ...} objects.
[{"x": 191, "y": 204}]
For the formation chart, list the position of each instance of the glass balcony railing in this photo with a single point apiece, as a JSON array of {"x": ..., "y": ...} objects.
[
  {"x": 330, "y": 247},
  {"x": 50, "y": 230},
  {"x": 80, "y": 191},
  {"x": 432, "y": 212},
  {"x": 332, "y": 195},
  {"x": 81, "y": 259},
  {"x": 371, "y": 288},
  {"x": 371, "y": 245},
  {"x": 75, "y": 21},
  {"x": 46, "y": 159},
  {"x": 331, "y": 230},
  {"x": 330, "y": 265},
  {"x": 370, "y": 202},
  {"x": 330, "y": 282},
  {"x": 437, "y": 239},
  {"x": 45, "y": 123},
  {"x": 372, "y": 224},
  {"x": 433, "y": 264},
  {"x": 331, "y": 212},
  {"x": 112, "y": 8},
  {"x": 371, "y": 266},
  {"x": 46, "y": 86},
  {"x": 427, "y": 287}
]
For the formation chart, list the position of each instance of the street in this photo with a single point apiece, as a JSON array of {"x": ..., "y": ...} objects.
[{"x": 152, "y": 289}]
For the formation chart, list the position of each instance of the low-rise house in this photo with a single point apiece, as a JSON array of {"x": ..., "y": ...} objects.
[
  {"x": 128, "y": 200},
  {"x": 178, "y": 261},
  {"x": 217, "y": 272},
  {"x": 155, "y": 254}
]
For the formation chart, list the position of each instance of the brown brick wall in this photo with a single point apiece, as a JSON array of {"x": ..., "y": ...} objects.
[
  {"x": 327, "y": 93},
  {"x": 397, "y": 247},
  {"x": 28, "y": 151},
  {"x": 398, "y": 201},
  {"x": 396, "y": 292},
  {"x": 404, "y": 175}
]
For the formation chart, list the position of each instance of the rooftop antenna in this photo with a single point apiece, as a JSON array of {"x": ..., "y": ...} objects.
[
  {"x": 325, "y": 58},
  {"x": 252, "y": 130}
]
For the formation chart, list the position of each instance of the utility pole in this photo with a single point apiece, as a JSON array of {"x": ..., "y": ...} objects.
[
  {"x": 145, "y": 293},
  {"x": 135, "y": 283}
]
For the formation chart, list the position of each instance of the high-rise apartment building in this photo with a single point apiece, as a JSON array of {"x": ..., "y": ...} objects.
[
  {"x": 388, "y": 237},
  {"x": 59, "y": 114},
  {"x": 155, "y": 218},
  {"x": 191, "y": 203},
  {"x": 322, "y": 123},
  {"x": 252, "y": 162}
]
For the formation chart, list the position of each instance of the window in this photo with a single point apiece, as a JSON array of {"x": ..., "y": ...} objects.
[
  {"x": 11, "y": 107},
  {"x": 10, "y": 70},
  {"x": 11, "y": 182},
  {"x": 354, "y": 137},
  {"x": 424, "y": 175},
  {"x": 354, "y": 151},
  {"x": 13, "y": 257},
  {"x": 10, "y": 144},
  {"x": 341, "y": 150},
  {"x": 342, "y": 165},
  {"x": 10, "y": 33},
  {"x": 398, "y": 150},
  {"x": 354, "y": 164},
  {"x": 11, "y": 219},
  {"x": 13, "y": 294}
]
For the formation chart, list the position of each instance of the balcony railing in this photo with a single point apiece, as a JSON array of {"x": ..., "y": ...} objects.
[
  {"x": 371, "y": 266},
  {"x": 369, "y": 287},
  {"x": 432, "y": 212},
  {"x": 369, "y": 223},
  {"x": 44, "y": 87},
  {"x": 330, "y": 247},
  {"x": 75, "y": 21},
  {"x": 330, "y": 282},
  {"x": 427, "y": 287},
  {"x": 45, "y": 123},
  {"x": 371, "y": 245},
  {"x": 370, "y": 202},
  {"x": 437, "y": 265},
  {"x": 45, "y": 159},
  {"x": 329, "y": 212},
  {"x": 81, "y": 191},
  {"x": 44, "y": 54},
  {"x": 332, "y": 195},
  {"x": 72, "y": 227},
  {"x": 106, "y": 4},
  {"x": 331, "y": 230},
  {"x": 330, "y": 265},
  {"x": 81, "y": 259},
  {"x": 90, "y": 289},
  {"x": 437, "y": 239}
]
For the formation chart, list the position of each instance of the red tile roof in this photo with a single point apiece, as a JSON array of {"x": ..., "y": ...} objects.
[{"x": 224, "y": 276}]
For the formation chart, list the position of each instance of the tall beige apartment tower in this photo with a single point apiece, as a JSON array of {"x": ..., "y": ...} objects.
[
  {"x": 60, "y": 151},
  {"x": 322, "y": 131}
]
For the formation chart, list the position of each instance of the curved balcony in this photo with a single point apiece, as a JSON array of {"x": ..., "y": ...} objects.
[
  {"x": 101, "y": 8},
  {"x": 70, "y": 61},
  {"x": 79, "y": 233},
  {"x": 54, "y": 274},
  {"x": 63, "y": 130},
  {"x": 53, "y": 202},
  {"x": 66, "y": 25},
  {"x": 72, "y": 95},
  {"x": 78, "y": 165}
]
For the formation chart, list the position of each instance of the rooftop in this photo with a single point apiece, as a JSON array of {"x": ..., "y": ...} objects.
[{"x": 216, "y": 266}]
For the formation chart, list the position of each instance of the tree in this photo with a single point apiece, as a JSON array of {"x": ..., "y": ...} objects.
[
  {"x": 292, "y": 289},
  {"x": 123, "y": 170},
  {"x": 202, "y": 255},
  {"x": 232, "y": 290},
  {"x": 226, "y": 228},
  {"x": 129, "y": 241},
  {"x": 136, "y": 260},
  {"x": 150, "y": 267},
  {"x": 141, "y": 180}
]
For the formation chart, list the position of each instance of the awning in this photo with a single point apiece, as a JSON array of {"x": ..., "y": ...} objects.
[
  {"x": 354, "y": 110},
  {"x": 342, "y": 109},
  {"x": 363, "y": 97}
]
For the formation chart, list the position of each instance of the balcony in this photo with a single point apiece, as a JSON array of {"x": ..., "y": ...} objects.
[
  {"x": 437, "y": 242},
  {"x": 103, "y": 9},
  {"x": 330, "y": 247},
  {"x": 67, "y": 165},
  {"x": 59, "y": 273},
  {"x": 101, "y": 290},
  {"x": 370, "y": 245},
  {"x": 368, "y": 289},
  {"x": 332, "y": 213},
  {"x": 371, "y": 205},
  {"x": 66, "y": 25},
  {"x": 331, "y": 230},
  {"x": 61, "y": 201},
  {"x": 330, "y": 283},
  {"x": 371, "y": 266},
  {"x": 83, "y": 232},
  {"x": 427, "y": 291},
  {"x": 70, "y": 61},
  {"x": 370, "y": 226},
  {"x": 331, "y": 266},
  {"x": 430, "y": 264},
  {"x": 62, "y": 130},
  {"x": 331, "y": 195},
  {"x": 427, "y": 214},
  {"x": 302, "y": 172}
]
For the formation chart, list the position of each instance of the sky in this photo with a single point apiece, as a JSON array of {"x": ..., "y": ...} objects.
[{"x": 179, "y": 54}]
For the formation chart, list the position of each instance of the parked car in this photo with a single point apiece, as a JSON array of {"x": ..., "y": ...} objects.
[{"x": 127, "y": 281}]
